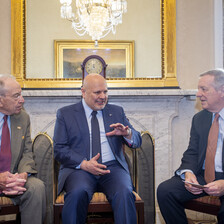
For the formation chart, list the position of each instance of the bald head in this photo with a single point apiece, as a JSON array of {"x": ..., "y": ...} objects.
[
  {"x": 94, "y": 91},
  {"x": 93, "y": 79}
]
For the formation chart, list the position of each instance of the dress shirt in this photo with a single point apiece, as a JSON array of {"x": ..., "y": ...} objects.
[
  {"x": 107, "y": 154},
  {"x": 1, "y": 126},
  {"x": 218, "y": 154}
]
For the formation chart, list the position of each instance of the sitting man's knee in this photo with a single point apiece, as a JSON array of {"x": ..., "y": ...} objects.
[
  {"x": 77, "y": 194},
  {"x": 162, "y": 191},
  {"x": 35, "y": 187}
]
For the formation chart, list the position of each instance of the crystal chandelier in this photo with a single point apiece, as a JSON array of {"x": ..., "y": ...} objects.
[{"x": 94, "y": 17}]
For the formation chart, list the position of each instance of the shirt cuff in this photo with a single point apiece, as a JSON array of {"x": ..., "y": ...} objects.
[
  {"x": 181, "y": 173},
  {"x": 79, "y": 166},
  {"x": 129, "y": 141}
]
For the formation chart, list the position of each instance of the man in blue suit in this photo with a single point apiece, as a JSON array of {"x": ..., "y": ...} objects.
[
  {"x": 82, "y": 173},
  {"x": 172, "y": 193}
]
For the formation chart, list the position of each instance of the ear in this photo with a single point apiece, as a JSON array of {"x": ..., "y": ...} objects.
[
  {"x": 83, "y": 91},
  {"x": 1, "y": 103},
  {"x": 222, "y": 91}
]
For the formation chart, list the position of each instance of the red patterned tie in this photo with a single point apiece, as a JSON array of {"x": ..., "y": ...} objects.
[
  {"x": 211, "y": 150},
  {"x": 5, "y": 153}
]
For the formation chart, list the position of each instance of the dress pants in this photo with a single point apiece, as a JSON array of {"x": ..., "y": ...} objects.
[
  {"x": 171, "y": 195},
  {"x": 32, "y": 203},
  {"x": 117, "y": 186}
]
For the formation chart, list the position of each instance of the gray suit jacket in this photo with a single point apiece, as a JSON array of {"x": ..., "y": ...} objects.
[{"x": 21, "y": 144}]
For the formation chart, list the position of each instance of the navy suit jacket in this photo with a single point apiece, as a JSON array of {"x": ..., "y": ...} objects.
[
  {"x": 72, "y": 140},
  {"x": 194, "y": 156}
]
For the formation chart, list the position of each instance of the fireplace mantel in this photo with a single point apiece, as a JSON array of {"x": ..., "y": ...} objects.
[{"x": 112, "y": 92}]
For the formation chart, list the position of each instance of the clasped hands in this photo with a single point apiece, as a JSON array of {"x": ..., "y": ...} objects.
[
  {"x": 12, "y": 184},
  {"x": 215, "y": 188},
  {"x": 92, "y": 165}
]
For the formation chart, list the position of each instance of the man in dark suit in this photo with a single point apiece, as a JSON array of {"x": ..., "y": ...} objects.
[
  {"x": 172, "y": 193},
  {"x": 17, "y": 167},
  {"x": 83, "y": 173}
]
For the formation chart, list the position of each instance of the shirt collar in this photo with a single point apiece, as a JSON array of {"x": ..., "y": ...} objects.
[
  {"x": 221, "y": 113},
  {"x": 88, "y": 110},
  {"x": 1, "y": 116}
]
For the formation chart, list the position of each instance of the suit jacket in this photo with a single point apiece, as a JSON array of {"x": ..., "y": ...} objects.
[
  {"x": 21, "y": 144},
  {"x": 72, "y": 140},
  {"x": 194, "y": 156}
]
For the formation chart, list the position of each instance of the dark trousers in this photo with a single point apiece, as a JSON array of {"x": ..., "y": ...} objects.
[
  {"x": 171, "y": 195},
  {"x": 117, "y": 186}
]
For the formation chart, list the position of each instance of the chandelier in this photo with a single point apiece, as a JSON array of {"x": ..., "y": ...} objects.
[{"x": 94, "y": 17}]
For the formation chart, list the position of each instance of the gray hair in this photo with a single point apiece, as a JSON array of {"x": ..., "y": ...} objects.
[
  {"x": 218, "y": 75},
  {"x": 3, "y": 77}
]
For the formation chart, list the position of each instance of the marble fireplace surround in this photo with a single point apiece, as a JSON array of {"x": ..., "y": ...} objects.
[{"x": 165, "y": 113}]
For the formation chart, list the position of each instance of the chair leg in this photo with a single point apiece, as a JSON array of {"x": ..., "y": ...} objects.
[
  {"x": 18, "y": 218},
  {"x": 57, "y": 214},
  {"x": 140, "y": 212}
]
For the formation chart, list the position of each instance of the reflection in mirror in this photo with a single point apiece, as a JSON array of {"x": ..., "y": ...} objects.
[
  {"x": 33, "y": 48},
  {"x": 44, "y": 25}
]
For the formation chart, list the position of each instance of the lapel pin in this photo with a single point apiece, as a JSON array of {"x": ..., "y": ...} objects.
[
  {"x": 23, "y": 137},
  {"x": 110, "y": 115},
  {"x": 19, "y": 127}
]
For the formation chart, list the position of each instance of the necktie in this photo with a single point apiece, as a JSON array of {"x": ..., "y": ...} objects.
[
  {"x": 96, "y": 144},
  {"x": 5, "y": 153},
  {"x": 211, "y": 150}
]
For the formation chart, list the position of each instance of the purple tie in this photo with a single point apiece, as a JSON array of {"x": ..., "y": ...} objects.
[{"x": 5, "y": 153}]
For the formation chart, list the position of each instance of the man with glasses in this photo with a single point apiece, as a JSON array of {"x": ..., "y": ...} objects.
[{"x": 17, "y": 167}]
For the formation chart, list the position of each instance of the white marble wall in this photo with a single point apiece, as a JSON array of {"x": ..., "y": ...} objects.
[{"x": 166, "y": 114}]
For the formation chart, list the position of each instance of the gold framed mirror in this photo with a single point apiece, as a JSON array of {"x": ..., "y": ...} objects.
[{"x": 168, "y": 54}]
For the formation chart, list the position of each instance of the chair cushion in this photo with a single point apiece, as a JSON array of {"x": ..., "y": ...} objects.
[
  {"x": 97, "y": 197},
  {"x": 5, "y": 201}
]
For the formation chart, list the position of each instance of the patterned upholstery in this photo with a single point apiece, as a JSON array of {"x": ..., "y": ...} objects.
[
  {"x": 5, "y": 201},
  {"x": 97, "y": 197}
]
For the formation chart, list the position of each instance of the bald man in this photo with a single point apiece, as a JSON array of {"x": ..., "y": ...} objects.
[{"x": 84, "y": 171}]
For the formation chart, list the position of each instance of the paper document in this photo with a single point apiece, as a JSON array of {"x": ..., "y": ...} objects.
[{"x": 195, "y": 185}]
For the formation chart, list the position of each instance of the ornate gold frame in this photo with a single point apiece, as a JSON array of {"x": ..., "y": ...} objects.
[
  {"x": 168, "y": 54},
  {"x": 60, "y": 45}
]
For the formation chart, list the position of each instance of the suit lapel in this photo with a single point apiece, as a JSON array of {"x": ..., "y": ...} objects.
[
  {"x": 205, "y": 127},
  {"x": 16, "y": 138},
  {"x": 108, "y": 120},
  {"x": 80, "y": 116}
]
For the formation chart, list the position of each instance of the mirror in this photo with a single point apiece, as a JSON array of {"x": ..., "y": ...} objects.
[{"x": 21, "y": 62}]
